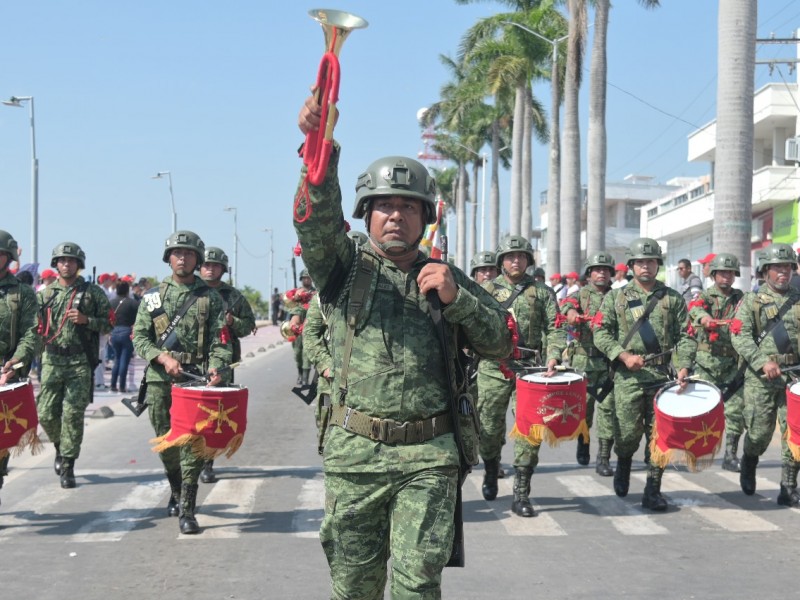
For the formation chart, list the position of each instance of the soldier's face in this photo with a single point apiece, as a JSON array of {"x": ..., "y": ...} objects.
[
  {"x": 514, "y": 264},
  {"x": 67, "y": 267},
  {"x": 485, "y": 274},
  {"x": 306, "y": 282},
  {"x": 182, "y": 261},
  {"x": 778, "y": 276},
  {"x": 645, "y": 269},
  {"x": 724, "y": 279},
  {"x": 600, "y": 277},
  {"x": 211, "y": 271},
  {"x": 396, "y": 220}
]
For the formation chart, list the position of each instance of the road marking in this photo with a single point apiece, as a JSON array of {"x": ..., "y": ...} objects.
[
  {"x": 623, "y": 516},
  {"x": 307, "y": 517},
  {"x": 226, "y": 508},
  {"x": 709, "y": 506},
  {"x": 123, "y": 515},
  {"x": 32, "y": 512},
  {"x": 762, "y": 483}
]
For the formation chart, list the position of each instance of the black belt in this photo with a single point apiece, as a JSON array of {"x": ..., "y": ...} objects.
[{"x": 63, "y": 350}]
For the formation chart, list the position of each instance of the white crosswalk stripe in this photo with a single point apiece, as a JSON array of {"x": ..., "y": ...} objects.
[
  {"x": 308, "y": 516},
  {"x": 226, "y": 508}
]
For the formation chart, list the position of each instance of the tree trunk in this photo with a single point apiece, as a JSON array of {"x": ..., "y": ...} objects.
[
  {"x": 515, "y": 212},
  {"x": 527, "y": 169},
  {"x": 494, "y": 200},
  {"x": 734, "y": 155},
  {"x": 461, "y": 218},
  {"x": 473, "y": 217},
  {"x": 553, "y": 241},
  {"x": 596, "y": 204}
]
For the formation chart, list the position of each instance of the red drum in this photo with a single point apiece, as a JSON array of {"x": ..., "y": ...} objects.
[
  {"x": 18, "y": 418},
  {"x": 210, "y": 419},
  {"x": 793, "y": 419},
  {"x": 550, "y": 409},
  {"x": 688, "y": 426}
]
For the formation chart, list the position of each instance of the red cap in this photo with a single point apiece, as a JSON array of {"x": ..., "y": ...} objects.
[
  {"x": 706, "y": 259},
  {"x": 572, "y": 275},
  {"x": 127, "y": 279},
  {"x": 102, "y": 277},
  {"x": 48, "y": 273},
  {"x": 555, "y": 276},
  {"x": 621, "y": 267}
]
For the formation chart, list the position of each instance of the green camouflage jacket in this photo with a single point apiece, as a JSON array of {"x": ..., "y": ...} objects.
[
  {"x": 755, "y": 310},
  {"x": 244, "y": 321},
  {"x": 586, "y": 301},
  {"x": 18, "y": 321},
  {"x": 715, "y": 352},
  {"x": 215, "y": 352},
  {"x": 315, "y": 343},
  {"x": 396, "y": 368},
  {"x": 55, "y": 329},
  {"x": 669, "y": 320}
]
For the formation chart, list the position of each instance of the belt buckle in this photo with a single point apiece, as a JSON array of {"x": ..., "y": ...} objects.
[{"x": 378, "y": 429}]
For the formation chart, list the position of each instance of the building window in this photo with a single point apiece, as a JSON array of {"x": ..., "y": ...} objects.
[
  {"x": 631, "y": 216},
  {"x": 652, "y": 213}
]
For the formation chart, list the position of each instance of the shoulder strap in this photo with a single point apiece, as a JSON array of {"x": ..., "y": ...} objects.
[
  {"x": 518, "y": 289},
  {"x": 651, "y": 304},
  {"x": 193, "y": 297},
  {"x": 780, "y": 335}
]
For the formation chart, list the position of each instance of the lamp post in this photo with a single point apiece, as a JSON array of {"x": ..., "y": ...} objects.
[
  {"x": 160, "y": 175},
  {"x": 17, "y": 102},
  {"x": 271, "y": 260},
  {"x": 235, "y": 277}
]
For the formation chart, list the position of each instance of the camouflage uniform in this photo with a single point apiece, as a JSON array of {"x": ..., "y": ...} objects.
[
  {"x": 634, "y": 391},
  {"x": 244, "y": 321},
  {"x": 182, "y": 467},
  {"x": 316, "y": 349},
  {"x": 66, "y": 382},
  {"x": 765, "y": 399},
  {"x": 389, "y": 499},
  {"x": 717, "y": 360},
  {"x": 300, "y": 358}
]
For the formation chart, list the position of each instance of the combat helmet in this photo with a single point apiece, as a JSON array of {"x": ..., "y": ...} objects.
[
  {"x": 396, "y": 176},
  {"x": 724, "y": 262},
  {"x": 482, "y": 259},
  {"x": 9, "y": 245},
  {"x": 599, "y": 259},
  {"x": 514, "y": 243},
  {"x": 359, "y": 237},
  {"x": 216, "y": 255},
  {"x": 184, "y": 239},
  {"x": 70, "y": 250},
  {"x": 304, "y": 273},
  {"x": 778, "y": 254},
  {"x": 644, "y": 248}
]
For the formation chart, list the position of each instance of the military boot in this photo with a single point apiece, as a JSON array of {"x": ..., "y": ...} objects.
[
  {"x": 67, "y": 473},
  {"x": 187, "y": 522},
  {"x": 207, "y": 475},
  {"x": 652, "y": 498},
  {"x": 491, "y": 467},
  {"x": 603, "y": 467},
  {"x": 622, "y": 476},
  {"x": 304, "y": 377},
  {"x": 522, "y": 490},
  {"x": 582, "y": 453},
  {"x": 731, "y": 461},
  {"x": 59, "y": 461},
  {"x": 789, "y": 495},
  {"x": 747, "y": 473},
  {"x": 173, "y": 506}
]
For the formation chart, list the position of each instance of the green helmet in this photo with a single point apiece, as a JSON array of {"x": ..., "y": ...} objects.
[
  {"x": 644, "y": 248},
  {"x": 9, "y": 245},
  {"x": 71, "y": 250},
  {"x": 304, "y": 273},
  {"x": 359, "y": 237},
  {"x": 599, "y": 259},
  {"x": 759, "y": 255},
  {"x": 724, "y": 262},
  {"x": 482, "y": 259},
  {"x": 396, "y": 176},
  {"x": 216, "y": 255},
  {"x": 778, "y": 254},
  {"x": 514, "y": 243},
  {"x": 185, "y": 239}
]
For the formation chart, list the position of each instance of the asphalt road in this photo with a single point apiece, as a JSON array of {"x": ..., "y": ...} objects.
[{"x": 110, "y": 537}]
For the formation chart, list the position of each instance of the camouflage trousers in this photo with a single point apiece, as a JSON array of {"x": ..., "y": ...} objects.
[
  {"x": 494, "y": 394},
  {"x": 372, "y": 516},
  {"x": 300, "y": 358},
  {"x": 65, "y": 392},
  {"x": 734, "y": 407},
  {"x": 175, "y": 459},
  {"x": 764, "y": 404},
  {"x": 604, "y": 410},
  {"x": 633, "y": 411}
]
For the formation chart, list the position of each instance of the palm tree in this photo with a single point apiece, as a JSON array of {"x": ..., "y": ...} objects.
[{"x": 734, "y": 155}]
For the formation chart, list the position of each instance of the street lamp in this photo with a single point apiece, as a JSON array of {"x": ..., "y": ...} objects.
[
  {"x": 235, "y": 277},
  {"x": 17, "y": 102},
  {"x": 160, "y": 175},
  {"x": 271, "y": 259}
]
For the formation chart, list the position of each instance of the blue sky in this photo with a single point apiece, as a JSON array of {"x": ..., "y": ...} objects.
[{"x": 211, "y": 92}]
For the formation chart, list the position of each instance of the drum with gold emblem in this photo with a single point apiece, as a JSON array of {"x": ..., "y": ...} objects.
[{"x": 18, "y": 418}]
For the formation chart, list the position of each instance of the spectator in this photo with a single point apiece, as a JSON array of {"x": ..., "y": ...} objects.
[
  {"x": 620, "y": 276},
  {"x": 125, "y": 309},
  {"x": 689, "y": 284},
  {"x": 706, "y": 262},
  {"x": 276, "y": 306}
]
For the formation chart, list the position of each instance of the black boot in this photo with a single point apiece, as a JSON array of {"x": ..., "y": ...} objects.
[
  {"x": 747, "y": 473},
  {"x": 173, "y": 506},
  {"x": 582, "y": 454},
  {"x": 491, "y": 467},
  {"x": 522, "y": 490},
  {"x": 622, "y": 476},
  {"x": 789, "y": 495},
  {"x": 207, "y": 475},
  {"x": 59, "y": 461},
  {"x": 652, "y": 498},
  {"x": 67, "y": 473},
  {"x": 603, "y": 467},
  {"x": 731, "y": 461},
  {"x": 187, "y": 522},
  {"x": 304, "y": 377}
]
